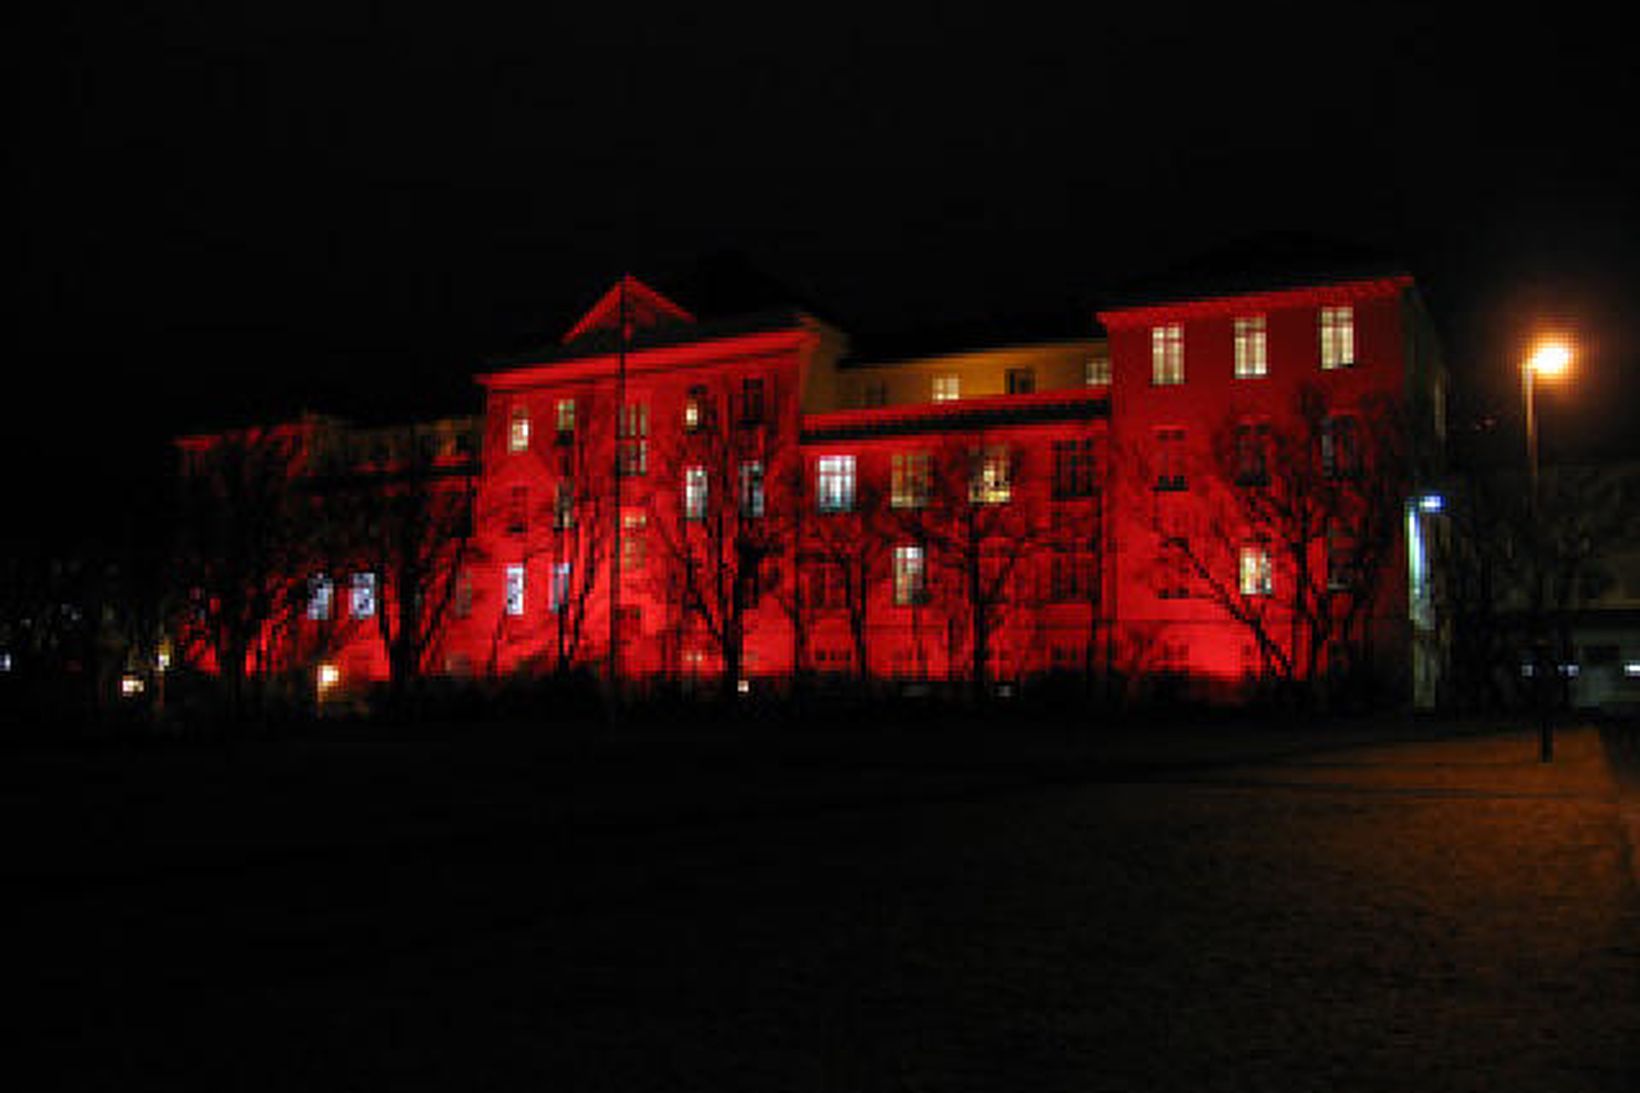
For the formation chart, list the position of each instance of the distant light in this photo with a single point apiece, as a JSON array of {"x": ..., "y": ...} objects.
[
  {"x": 744, "y": 686},
  {"x": 1431, "y": 502},
  {"x": 1527, "y": 671},
  {"x": 1570, "y": 671},
  {"x": 1632, "y": 669},
  {"x": 162, "y": 660},
  {"x": 131, "y": 685},
  {"x": 5, "y": 662},
  {"x": 1550, "y": 359},
  {"x": 329, "y": 676}
]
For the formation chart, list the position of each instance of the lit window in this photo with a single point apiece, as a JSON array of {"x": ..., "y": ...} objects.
[
  {"x": 320, "y": 593},
  {"x": 908, "y": 481},
  {"x": 362, "y": 602},
  {"x": 694, "y": 493},
  {"x": 1251, "y": 347},
  {"x": 694, "y": 409},
  {"x": 1337, "y": 337},
  {"x": 558, "y": 592},
  {"x": 634, "y": 545},
  {"x": 1096, "y": 371},
  {"x": 564, "y": 416},
  {"x": 947, "y": 388},
  {"x": 1255, "y": 577},
  {"x": 632, "y": 456},
  {"x": 518, "y": 432},
  {"x": 991, "y": 481},
  {"x": 751, "y": 489},
  {"x": 563, "y": 505},
  {"x": 910, "y": 573},
  {"x": 834, "y": 483},
  {"x": 513, "y": 589},
  {"x": 1167, "y": 355}
]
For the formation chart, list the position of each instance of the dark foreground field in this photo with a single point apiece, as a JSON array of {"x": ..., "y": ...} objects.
[{"x": 1174, "y": 911}]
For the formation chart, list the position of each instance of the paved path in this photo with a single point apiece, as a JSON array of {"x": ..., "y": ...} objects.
[{"x": 1437, "y": 915}]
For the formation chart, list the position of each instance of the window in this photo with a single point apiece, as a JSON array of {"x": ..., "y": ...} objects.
[
  {"x": 908, "y": 480},
  {"x": 1170, "y": 459},
  {"x": 947, "y": 388},
  {"x": 518, "y": 510},
  {"x": 362, "y": 598},
  {"x": 1073, "y": 469},
  {"x": 1341, "y": 573},
  {"x": 1255, "y": 575},
  {"x": 518, "y": 430},
  {"x": 1252, "y": 454},
  {"x": 1251, "y": 347},
  {"x": 874, "y": 393},
  {"x": 1173, "y": 569},
  {"x": 563, "y": 505},
  {"x": 632, "y": 456},
  {"x": 1340, "y": 447},
  {"x": 1096, "y": 371},
  {"x": 990, "y": 480},
  {"x": 1072, "y": 577},
  {"x": 1337, "y": 337},
  {"x": 1167, "y": 355},
  {"x": 464, "y": 594},
  {"x": 694, "y": 493},
  {"x": 1021, "y": 381},
  {"x": 834, "y": 483},
  {"x": 910, "y": 586},
  {"x": 751, "y": 489},
  {"x": 751, "y": 400},
  {"x": 564, "y": 417},
  {"x": 828, "y": 587},
  {"x": 696, "y": 409},
  {"x": 634, "y": 547},
  {"x": 321, "y": 592},
  {"x": 513, "y": 590},
  {"x": 558, "y": 591}
]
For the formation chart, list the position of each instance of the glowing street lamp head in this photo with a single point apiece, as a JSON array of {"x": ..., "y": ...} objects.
[{"x": 1550, "y": 359}]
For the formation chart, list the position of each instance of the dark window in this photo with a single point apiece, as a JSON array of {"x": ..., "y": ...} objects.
[{"x": 1021, "y": 381}]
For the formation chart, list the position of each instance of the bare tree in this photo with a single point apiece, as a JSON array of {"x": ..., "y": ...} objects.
[
  {"x": 715, "y": 529},
  {"x": 410, "y": 515},
  {"x": 239, "y": 547},
  {"x": 1290, "y": 528},
  {"x": 978, "y": 527}
]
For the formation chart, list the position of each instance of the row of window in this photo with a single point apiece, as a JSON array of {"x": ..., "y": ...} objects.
[
  {"x": 361, "y": 603},
  {"x": 1335, "y": 336},
  {"x": 1339, "y": 444},
  {"x": 634, "y": 417}
]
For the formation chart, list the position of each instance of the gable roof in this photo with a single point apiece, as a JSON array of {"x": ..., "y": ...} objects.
[{"x": 631, "y": 301}]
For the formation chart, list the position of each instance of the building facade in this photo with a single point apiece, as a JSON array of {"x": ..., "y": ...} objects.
[{"x": 1215, "y": 493}]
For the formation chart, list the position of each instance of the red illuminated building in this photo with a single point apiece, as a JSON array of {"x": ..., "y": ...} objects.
[{"x": 1217, "y": 492}]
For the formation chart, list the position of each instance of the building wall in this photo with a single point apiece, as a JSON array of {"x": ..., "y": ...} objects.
[{"x": 1064, "y": 568}]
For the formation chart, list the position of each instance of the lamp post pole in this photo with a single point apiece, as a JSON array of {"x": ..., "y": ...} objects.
[
  {"x": 1550, "y": 359},
  {"x": 1541, "y": 661}
]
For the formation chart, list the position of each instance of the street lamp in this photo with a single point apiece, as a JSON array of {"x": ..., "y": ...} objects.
[{"x": 1550, "y": 359}]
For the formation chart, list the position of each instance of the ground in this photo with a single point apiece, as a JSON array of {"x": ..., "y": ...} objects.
[{"x": 1360, "y": 907}]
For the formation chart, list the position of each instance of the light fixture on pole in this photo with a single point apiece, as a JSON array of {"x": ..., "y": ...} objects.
[{"x": 1550, "y": 359}]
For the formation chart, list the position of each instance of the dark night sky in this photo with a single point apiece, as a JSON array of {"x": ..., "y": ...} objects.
[{"x": 228, "y": 214}]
